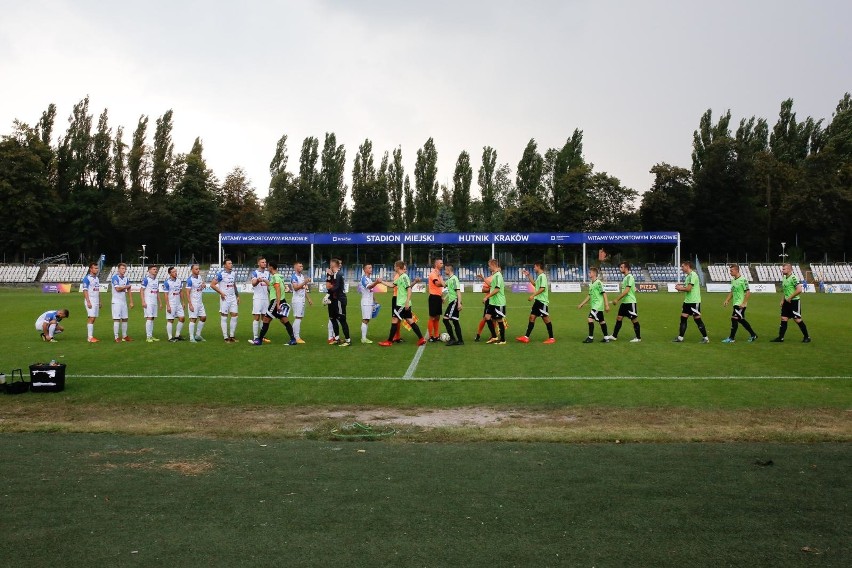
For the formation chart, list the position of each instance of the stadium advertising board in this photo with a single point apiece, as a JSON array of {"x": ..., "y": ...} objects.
[
  {"x": 56, "y": 288},
  {"x": 646, "y": 287},
  {"x": 762, "y": 288},
  {"x": 523, "y": 288},
  {"x": 610, "y": 287},
  {"x": 718, "y": 287},
  {"x": 565, "y": 287},
  {"x": 838, "y": 288},
  {"x": 658, "y": 238}
]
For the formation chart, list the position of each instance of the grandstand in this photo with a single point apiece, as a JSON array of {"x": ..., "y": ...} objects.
[
  {"x": 832, "y": 272},
  {"x": 667, "y": 273},
  {"x": 720, "y": 272},
  {"x": 613, "y": 274},
  {"x": 772, "y": 272},
  {"x": 18, "y": 274},
  {"x": 64, "y": 273}
]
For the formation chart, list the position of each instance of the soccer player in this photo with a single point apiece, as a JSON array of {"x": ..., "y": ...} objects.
[
  {"x": 486, "y": 287},
  {"x": 496, "y": 302},
  {"x": 436, "y": 300},
  {"x": 628, "y": 304},
  {"x": 541, "y": 302},
  {"x": 454, "y": 306},
  {"x": 403, "y": 312},
  {"x": 194, "y": 291},
  {"x": 92, "y": 296},
  {"x": 691, "y": 302},
  {"x": 48, "y": 324},
  {"x": 277, "y": 308},
  {"x": 174, "y": 305},
  {"x": 300, "y": 285},
  {"x": 791, "y": 304},
  {"x": 260, "y": 299},
  {"x": 229, "y": 299},
  {"x": 598, "y": 305},
  {"x": 367, "y": 300},
  {"x": 337, "y": 308},
  {"x": 740, "y": 293},
  {"x": 121, "y": 297},
  {"x": 149, "y": 293}
]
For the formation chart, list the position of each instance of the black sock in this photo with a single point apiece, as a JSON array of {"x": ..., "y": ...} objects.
[
  {"x": 683, "y": 320},
  {"x": 603, "y": 328},
  {"x": 502, "y": 327},
  {"x": 803, "y": 327},
  {"x": 345, "y": 327},
  {"x": 636, "y": 329},
  {"x": 549, "y": 329},
  {"x": 416, "y": 329},
  {"x": 747, "y": 327},
  {"x": 457, "y": 325},
  {"x": 617, "y": 328},
  {"x": 734, "y": 325},
  {"x": 335, "y": 327},
  {"x": 263, "y": 329},
  {"x": 782, "y": 331},
  {"x": 700, "y": 323},
  {"x": 591, "y": 329},
  {"x": 392, "y": 332},
  {"x": 490, "y": 324},
  {"x": 449, "y": 329},
  {"x": 530, "y": 327},
  {"x": 289, "y": 327}
]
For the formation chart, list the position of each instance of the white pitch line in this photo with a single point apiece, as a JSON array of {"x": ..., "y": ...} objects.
[{"x": 409, "y": 374}]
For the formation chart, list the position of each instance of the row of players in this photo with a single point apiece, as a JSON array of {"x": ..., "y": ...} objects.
[{"x": 269, "y": 303}]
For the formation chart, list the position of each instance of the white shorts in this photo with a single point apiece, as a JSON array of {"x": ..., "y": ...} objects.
[
  {"x": 151, "y": 309},
  {"x": 259, "y": 306},
  {"x": 298, "y": 307},
  {"x": 40, "y": 324},
  {"x": 119, "y": 311},
  {"x": 94, "y": 311},
  {"x": 177, "y": 311},
  {"x": 366, "y": 311},
  {"x": 229, "y": 305},
  {"x": 199, "y": 311}
]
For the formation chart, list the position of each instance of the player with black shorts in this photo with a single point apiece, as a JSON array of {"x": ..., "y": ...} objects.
[
  {"x": 436, "y": 300},
  {"x": 791, "y": 307},
  {"x": 628, "y": 308},
  {"x": 278, "y": 308},
  {"x": 337, "y": 307},
  {"x": 541, "y": 304}
]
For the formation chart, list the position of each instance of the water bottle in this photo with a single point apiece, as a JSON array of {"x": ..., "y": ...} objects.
[{"x": 53, "y": 362}]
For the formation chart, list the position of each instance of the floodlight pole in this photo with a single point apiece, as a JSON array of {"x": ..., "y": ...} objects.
[
  {"x": 585, "y": 270},
  {"x": 677, "y": 252},
  {"x": 220, "y": 249},
  {"x": 311, "y": 273}
]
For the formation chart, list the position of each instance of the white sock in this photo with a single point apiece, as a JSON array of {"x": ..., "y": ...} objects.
[
  {"x": 255, "y": 325},
  {"x": 124, "y": 329},
  {"x": 169, "y": 328},
  {"x": 115, "y": 326},
  {"x": 225, "y": 327},
  {"x": 179, "y": 328},
  {"x": 149, "y": 328},
  {"x": 90, "y": 329},
  {"x": 233, "y": 326},
  {"x": 330, "y": 330},
  {"x": 191, "y": 330},
  {"x": 297, "y": 328},
  {"x": 200, "y": 326},
  {"x": 50, "y": 330},
  {"x": 363, "y": 330}
]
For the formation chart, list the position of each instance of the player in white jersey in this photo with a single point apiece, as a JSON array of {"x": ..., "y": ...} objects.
[
  {"x": 48, "y": 324},
  {"x": 194, "y": 290},
  {"x": 260, "y": 297},
  {"x": 225, "y": 284},
  {"x": 149, "y": 293},
  {"x": 367, "y": 301},
  {"x": 300, "y": 285},
  {"x": 121, "y": 301},
  {"x": 92, "y": 295},
  {"x": 174, "y": 304}
]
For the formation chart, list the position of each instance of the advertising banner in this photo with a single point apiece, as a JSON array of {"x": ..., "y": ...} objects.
[
  {"x": 718, "y": 287},
  {"x": 646, "y": 287},
  {"x": 523, "y": 288},
  {"x": 56, "y": 288},
  {"x": 610, "y": 287},
  {"x": 762, "y": 288},
  {"x": 565, "y": 287},
  {"x": 838, "y": 288}
]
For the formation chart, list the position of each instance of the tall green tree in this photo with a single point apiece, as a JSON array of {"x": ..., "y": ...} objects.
[
  {"x": 664, "y": 204},
  {"x": 119, "y": 161},
  {"x": 425, "y": 178},
  {"x": 487, "y": 190},
  {"x": 240, "y": 207},
  {"x": 195, "y": 205},
  {"x": 396, "y": 188},
  {"x": 462, "y": 178},
  {"x": 331, "y": 187},
  {"x": 138, "y": 160},
  {"x": 277, "y": 205},
  {"x": 530, "y": 168},
  {"x": 162, "y": 156},
  {"x": 410, "y": 207}
]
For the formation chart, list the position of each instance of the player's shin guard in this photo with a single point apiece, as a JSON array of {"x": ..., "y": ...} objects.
[
  {"x": 747, "y": 327},
  {"x": 416, "y": 329},
  {"x": 169, "y": 328},
  {"x": 803, "y": 327},
  {"x": 90, "y": 329},
  {"x": 149, "y": 328},
  {"x": 115, "y": 327},
  {"x": 482, "y": 323},
  {"x": 449, "y": 329},
  {"x": 502, "y": 327},
  {"x": 700, "y": 323},
  {"x": 683, "y": 320},
  {"x": 591, "y": 329},
  {"x": 264, "y": 328},
  {"x": 335, "y": 329},
  {"x": 179, "y": 328},
  {"x": 530, "y": 327},
  {"x": 603, "y": 329},
  {"x": 617, "y": 328},
  {"x": 255, "y": 325},
  {"x": 199, "y": 327},
  {"x": 491, "y": 328},
  {"x": 345, "y": 326},
  {"x": 51, "y": 329},
  {"x": 331, "y": 331},
  {"x": 224, "y": 322},
  {"x": 782, "y": 330},
  {"x": 124, "y": 329},
  {"x": 363, "y": 330},
  {"x": 734, "y": 325},
  {"x": 457, "y": 325},
  {"x": 192, "y": 330},
  {"x": 636, "y": 330},
  {"x": 289, "y": 327},
  {"x": 392, "y": 333},
  {"x": 297, "y": 327},
  {"x": 233, "y": 326},
  {"x": 549, "y": 329}
]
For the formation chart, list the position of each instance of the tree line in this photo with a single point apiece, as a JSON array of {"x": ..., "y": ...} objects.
[{"x": 88, "y": 192}]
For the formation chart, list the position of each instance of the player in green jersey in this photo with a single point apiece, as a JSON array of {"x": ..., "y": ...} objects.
[
  {"x": 454, "y": 306},
  {"x": 791, "y": 306},
  {"x": 496, "y": 302},
  {"x": 402, "y": 310},
  {"x": 541, "y": 304},
  {"x": 278, "y": 307},
  {"x": 740, "y": 294},
  {"x": 628, "y": 304},
  {"x": 691, "y": 302},
  {"x": 598, "y": 304}
]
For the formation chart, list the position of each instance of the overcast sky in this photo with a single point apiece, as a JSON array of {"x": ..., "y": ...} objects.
[{"x": 635, "y": 76}]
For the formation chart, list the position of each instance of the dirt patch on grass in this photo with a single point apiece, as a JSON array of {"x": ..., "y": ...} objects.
[
  {"x": 189, "y": 468},
  {"x": 567, "y": 424}
]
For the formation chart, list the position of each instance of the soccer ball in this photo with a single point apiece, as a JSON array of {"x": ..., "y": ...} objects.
[{"x": 445, "y": 337}]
